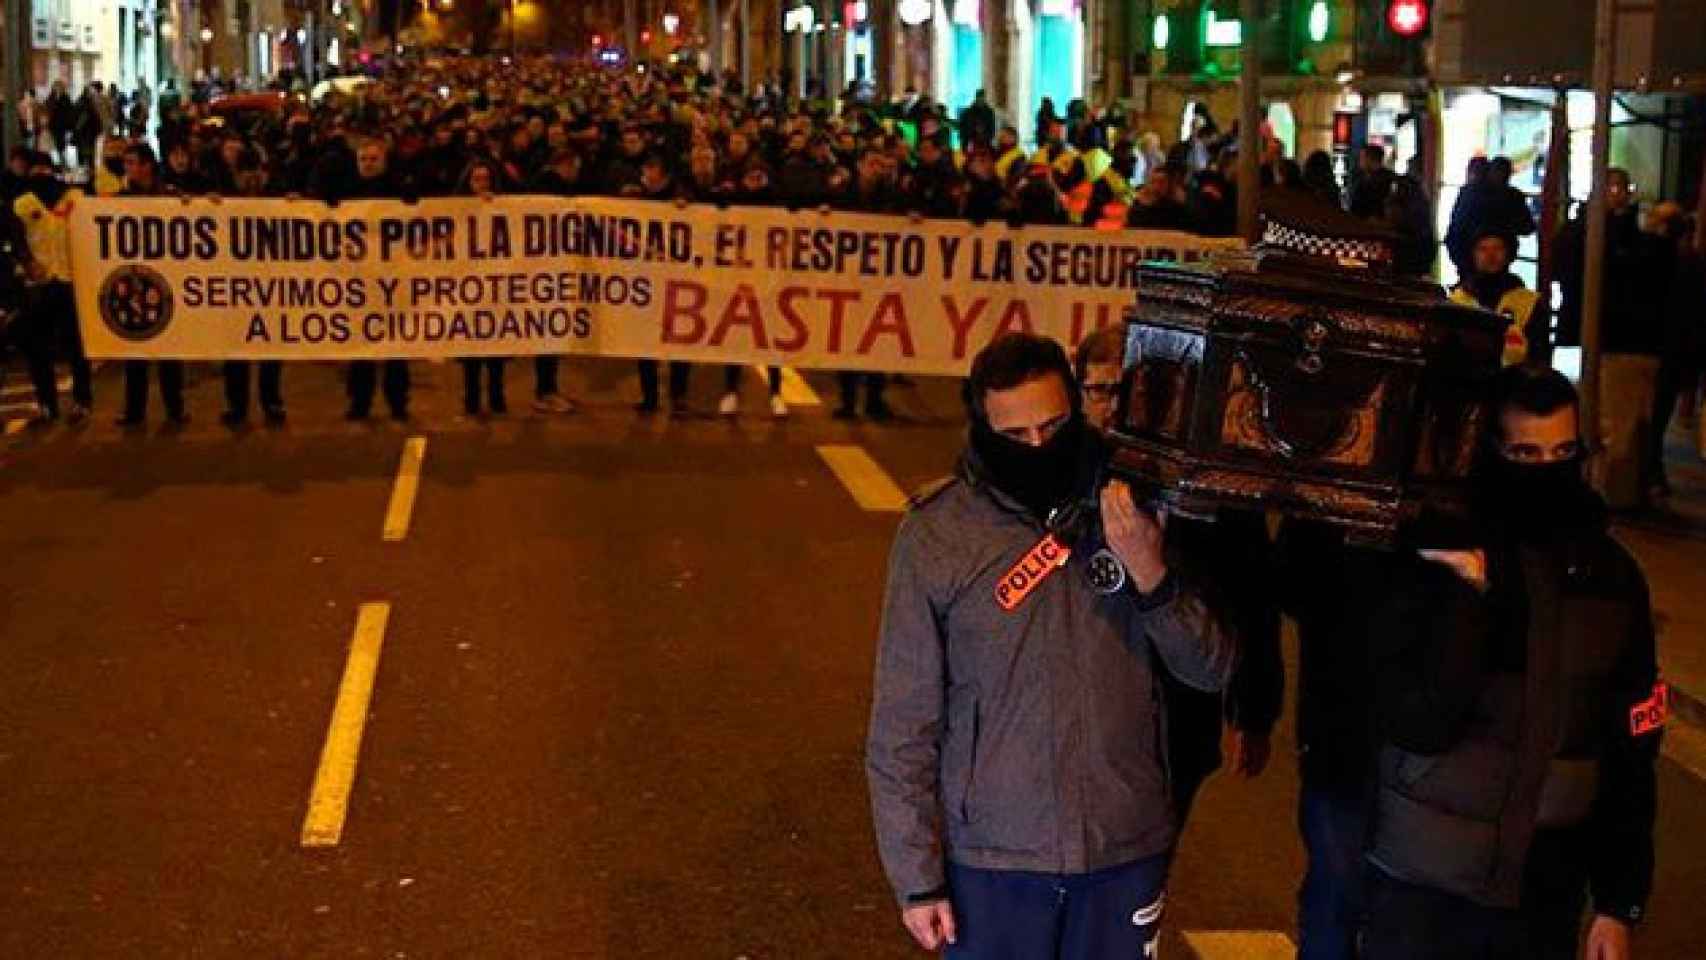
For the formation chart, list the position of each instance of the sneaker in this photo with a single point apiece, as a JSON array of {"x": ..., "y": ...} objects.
[
  {"x": 729, "y": 405},
  {"x": 554, "y": 403},
  {"x": 778, "y": 407}
]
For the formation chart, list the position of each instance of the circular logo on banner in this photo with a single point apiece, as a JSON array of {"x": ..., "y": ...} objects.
[
  {"x": 136, "y": 303},
  {"x": 1107, "y": 573}
]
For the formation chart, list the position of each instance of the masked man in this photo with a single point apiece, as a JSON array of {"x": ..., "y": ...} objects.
[{"x": 1015, "y": 758}]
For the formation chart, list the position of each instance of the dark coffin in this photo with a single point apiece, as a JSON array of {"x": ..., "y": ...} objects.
[{"x": 1317, "y": 385}]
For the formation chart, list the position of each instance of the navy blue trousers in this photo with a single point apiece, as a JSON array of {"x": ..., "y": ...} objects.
[
  {"x": 1333, "y": 820},
  {"x": 1112, "y": 914}
]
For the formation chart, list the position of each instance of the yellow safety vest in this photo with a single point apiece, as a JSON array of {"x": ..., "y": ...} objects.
[
  {"x": 107, "y": 185},
  {"x": 48, "y": 231},
  {"x": 1517, "y": 306},
  {"x": 1004, "y": 165}
]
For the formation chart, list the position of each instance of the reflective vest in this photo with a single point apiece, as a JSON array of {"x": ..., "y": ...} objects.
[
  {"x": 1113, "y": 213},
  {"x": 1004, "y": 165},
  {"x": 107, "y": 185},
  {"x": 48, "y": 231},
  {"x": 1517, "y": 306}
]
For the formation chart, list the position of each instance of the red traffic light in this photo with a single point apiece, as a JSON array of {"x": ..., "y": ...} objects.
[
  {"x": 645, "y": 36},
  {"x": 597, "y": 40},
  {"x": 1407, "y": 18}
]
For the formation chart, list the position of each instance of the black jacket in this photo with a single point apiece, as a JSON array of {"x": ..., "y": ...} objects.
[
  {"x": 1637, "y": 277},
  {"x": 1528, "y": 708},
  {"x": 1229, "y": 558}
]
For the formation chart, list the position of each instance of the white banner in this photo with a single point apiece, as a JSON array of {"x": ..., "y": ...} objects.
[{"x": 268, "y": 278}]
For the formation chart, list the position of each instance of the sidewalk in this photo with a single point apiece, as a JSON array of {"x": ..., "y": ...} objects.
[{"x": 1671, "y": 547}]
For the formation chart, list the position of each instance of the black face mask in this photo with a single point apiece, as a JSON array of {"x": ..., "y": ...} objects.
[
  {"x": 1040, "y": 478},
  {"x": 115, "y": 166},
  {"x": 1533, "y": 500}
]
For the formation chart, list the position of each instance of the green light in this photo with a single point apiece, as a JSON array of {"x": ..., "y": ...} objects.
[
  {"x": 1162, "y": 33},
  {"x": 1320, "y": 21}
]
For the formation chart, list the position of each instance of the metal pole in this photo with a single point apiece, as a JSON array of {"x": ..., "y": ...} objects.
[
  {"x": 714, "y": 34},
  {"x": 14, "y": 80},
  {"x": 1593, "y": 285},
  {"x": 745, "y": 51},
  {"x": 1249, "y": 121}
]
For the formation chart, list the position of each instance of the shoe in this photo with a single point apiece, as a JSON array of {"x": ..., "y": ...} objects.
[
  {"x": 178, "y": 419},
  {"x": 678, "y": 407},
  {"x": 778, "y": 407},
  {"x": 233, "y": 418},
  {"x": 77, "y": 414},
  {"x": 500, "y": 409},
  {"x": 274, "y": 415},
  {"x": 878, "y": 411},
  {"x": 355, "y": 416},
  {"x": 128, "y": 421},
  {"x": 845, "y": 412},
  {"x": 729, "y": 405},
  {"x": 553, "y": 403},
  {"x": 646, "y": 407},
  {"x": 401, "y": 416}
]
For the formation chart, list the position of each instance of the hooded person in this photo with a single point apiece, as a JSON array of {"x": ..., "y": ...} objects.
[
  {"x": 43, "y": 211},
  {"x": 1491, "y": 285}
]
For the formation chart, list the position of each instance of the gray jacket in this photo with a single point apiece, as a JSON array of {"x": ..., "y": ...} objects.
[{"x": 1022, "y": 740}]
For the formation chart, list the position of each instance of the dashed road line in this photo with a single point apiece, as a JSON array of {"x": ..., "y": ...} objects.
[
  {"x": 328, "y": 803},
  {"x": 15, "y": 427},
  {"x": 863, "y": 477},
  {"x": 1239, "y": 945},
  {"x": 402, "y": 507}
]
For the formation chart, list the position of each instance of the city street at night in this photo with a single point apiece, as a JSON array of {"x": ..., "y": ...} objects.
[{"x": 619, "y": 709}]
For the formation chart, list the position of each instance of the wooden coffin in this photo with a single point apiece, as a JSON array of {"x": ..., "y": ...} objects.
[{"x": 1303, "y": 376}]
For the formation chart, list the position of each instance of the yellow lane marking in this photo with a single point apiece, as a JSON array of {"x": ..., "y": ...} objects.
[
  {"x": 329, "y": 801},
  {"x": 863, "y": 478},
  {"x": 15, "y": 427},
  {"x": 796, "y": 392},
  {"x": 403, "y": 494},
  {"x": 1239, "y": 945}
]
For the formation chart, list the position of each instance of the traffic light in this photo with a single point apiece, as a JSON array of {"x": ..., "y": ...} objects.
[{"x": 1407, "y": 18}]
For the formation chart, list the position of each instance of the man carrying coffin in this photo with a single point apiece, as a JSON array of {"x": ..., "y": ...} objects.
[{"x": 1015, "y": 759}]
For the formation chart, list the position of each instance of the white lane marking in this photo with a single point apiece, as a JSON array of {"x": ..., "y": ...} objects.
[
  {"x": 328, "y": 803},
  {"x": 869, "y": 484},
  {"x": 1239, "y": 945},
  {"x": 402, "y": 506}
]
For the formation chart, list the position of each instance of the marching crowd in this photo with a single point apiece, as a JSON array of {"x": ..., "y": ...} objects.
[{"x": 538, "y": 125}]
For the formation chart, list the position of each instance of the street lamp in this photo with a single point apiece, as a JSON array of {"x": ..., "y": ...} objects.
[{"x": 671, "y": 23}]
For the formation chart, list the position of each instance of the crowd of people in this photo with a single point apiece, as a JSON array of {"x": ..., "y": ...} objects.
[
  {"x": 490, "y": 125},
  {"x": 540, "y": 125}
]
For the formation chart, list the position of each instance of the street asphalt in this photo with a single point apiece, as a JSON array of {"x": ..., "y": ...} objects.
[{"x": 619, "y": 704}]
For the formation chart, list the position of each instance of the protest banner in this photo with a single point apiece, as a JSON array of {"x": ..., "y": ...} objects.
[{"x": 268, "y": 278}]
